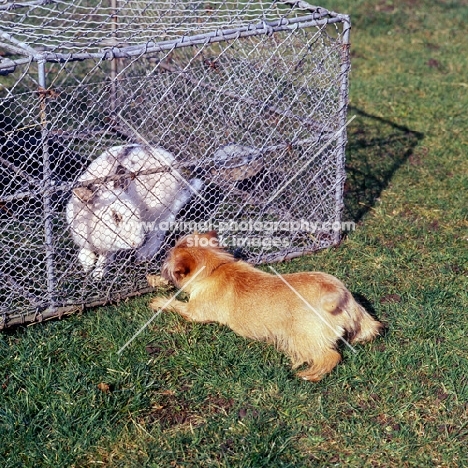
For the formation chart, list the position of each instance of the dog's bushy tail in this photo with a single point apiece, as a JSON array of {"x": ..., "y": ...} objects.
[{"x": 364, "y": 327}]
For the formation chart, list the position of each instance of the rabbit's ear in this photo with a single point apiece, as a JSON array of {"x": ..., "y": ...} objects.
[
  {"x": 124, "y": 181},
  {"x": 85, "y": 194}
]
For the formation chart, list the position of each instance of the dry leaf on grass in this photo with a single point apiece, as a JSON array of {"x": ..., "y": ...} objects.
[
  {"x": 157, "y": 281},
  {"x": 104, "y": 387}
]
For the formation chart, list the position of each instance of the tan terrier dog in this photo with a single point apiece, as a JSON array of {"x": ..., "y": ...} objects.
[{"x": 303, "y": 314}]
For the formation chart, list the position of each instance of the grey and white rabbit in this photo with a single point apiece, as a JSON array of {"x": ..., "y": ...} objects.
[{"x": 123, "y": 213}]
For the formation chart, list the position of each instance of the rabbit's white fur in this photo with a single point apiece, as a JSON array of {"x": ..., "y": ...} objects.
[{"x": 124, "y": 214}]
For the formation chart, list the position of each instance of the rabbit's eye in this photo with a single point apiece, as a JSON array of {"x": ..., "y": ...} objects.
[
  {"x": 122, "y": 182},
  {"x": 116, "y": 217}
]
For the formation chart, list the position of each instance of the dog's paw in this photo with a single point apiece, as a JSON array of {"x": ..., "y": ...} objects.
[
  {"x": 310, "y": 375},
  {"x": 322, "y": 364},
  {"x": 161, "y": 303}
]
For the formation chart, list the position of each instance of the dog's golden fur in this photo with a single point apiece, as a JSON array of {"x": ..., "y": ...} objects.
[{"x": 305, "y": 324}]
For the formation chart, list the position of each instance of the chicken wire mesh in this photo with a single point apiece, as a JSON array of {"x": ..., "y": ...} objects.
[{"x": 125, "y": 124}]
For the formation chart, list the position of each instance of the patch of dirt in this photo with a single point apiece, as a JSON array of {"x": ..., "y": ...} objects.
[
  {"x": 433, "y": 63},
  {"x": 244, "y": 412},
  {"x": 416, "y": 158},
  {"x": 156, "y": 350},
  {"x": 172, "y": 410},
  {"x": 220, "y": 404},
  {"x": 385, "y": 7},
  {"x": 228, "y": 446},
  {"x": 389, "y": 298},
  {"x": 355, "y": 54}
]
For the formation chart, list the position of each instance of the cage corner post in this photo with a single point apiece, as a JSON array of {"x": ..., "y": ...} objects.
[
  {"x": 115, "y": 61},
  {"x": 342, "y": 137},
  {"x": 46, "y": 198}
]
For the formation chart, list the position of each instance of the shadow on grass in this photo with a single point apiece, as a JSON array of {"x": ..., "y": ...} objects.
[
  {"x": 376, "y": 149},
  {"x": 372, "y": 312}
]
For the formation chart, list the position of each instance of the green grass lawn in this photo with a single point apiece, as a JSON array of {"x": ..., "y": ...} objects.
[{"x": 198, "y": 395}]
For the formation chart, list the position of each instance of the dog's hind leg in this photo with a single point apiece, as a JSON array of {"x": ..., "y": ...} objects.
[{"x": 321, "y": 365}]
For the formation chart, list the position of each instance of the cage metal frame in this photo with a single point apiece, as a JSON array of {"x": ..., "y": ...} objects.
[{"x": 308, "y": 17}]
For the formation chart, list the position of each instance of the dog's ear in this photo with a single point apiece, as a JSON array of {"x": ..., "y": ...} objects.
[
  {"x": 184, "y": 265},
  {"x": 211, "y": 235},
  {"x": 208, "y": 239},
  {"x": 184, "y": 241}
]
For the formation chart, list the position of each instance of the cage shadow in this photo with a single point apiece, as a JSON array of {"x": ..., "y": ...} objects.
[{"x": 377, "y": 148}]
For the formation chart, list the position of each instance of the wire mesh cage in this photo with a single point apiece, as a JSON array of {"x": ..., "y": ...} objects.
[{"x": 127, "y": 123}]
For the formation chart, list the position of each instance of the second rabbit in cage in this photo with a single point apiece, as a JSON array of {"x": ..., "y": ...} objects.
[{"x": 120, "y": 202}]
